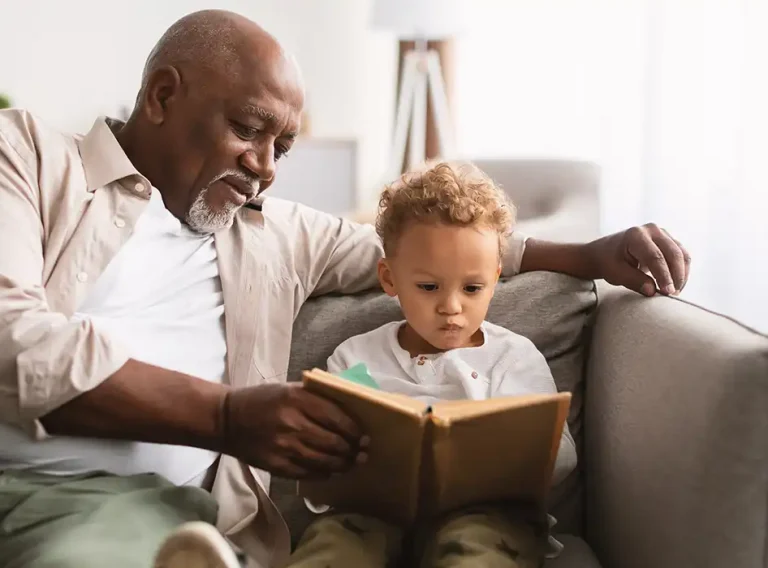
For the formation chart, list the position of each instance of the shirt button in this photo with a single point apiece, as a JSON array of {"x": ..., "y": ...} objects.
[
  {"x": 82, "y": 276},
  {"x": 420, "y": 362},
  {"x": 139, "y": 187},
  {"x": 119, "y": 223},
  {"x": 474, "y": 374}
]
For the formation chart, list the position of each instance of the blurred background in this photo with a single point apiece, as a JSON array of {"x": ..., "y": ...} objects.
[{"x": 595, "y": 115}]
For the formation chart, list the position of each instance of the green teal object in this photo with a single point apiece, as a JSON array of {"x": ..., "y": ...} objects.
[{"x": 359, "y": 374}]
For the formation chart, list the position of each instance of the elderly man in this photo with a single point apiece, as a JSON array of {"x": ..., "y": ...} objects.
[{"x": 146, "y": 301}]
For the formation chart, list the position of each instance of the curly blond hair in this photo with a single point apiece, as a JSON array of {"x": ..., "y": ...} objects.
[{"x": 447, "y": 193}]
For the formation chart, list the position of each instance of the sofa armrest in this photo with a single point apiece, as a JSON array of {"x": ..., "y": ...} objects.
[{"x": 676, "y": 437}]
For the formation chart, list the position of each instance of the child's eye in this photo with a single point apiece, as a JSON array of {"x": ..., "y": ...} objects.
[
  {"x": 428, "y": 287},
  {"x": 473, "y": 288}
]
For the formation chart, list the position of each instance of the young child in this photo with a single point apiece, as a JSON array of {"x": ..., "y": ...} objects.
[{"x": 444, "y": 232}]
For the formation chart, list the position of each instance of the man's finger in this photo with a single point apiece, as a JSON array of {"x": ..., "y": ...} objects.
[
  {"x": 647, "y": 253},
  {"x": 674, "y": 261},
  {"x": 331, "y": 417},
  {"x": 318, "y": 462},
  {"x": 636, "y": 280},
  {"x": 686, "y": 260},
  {"x": 318, "y": 437}
]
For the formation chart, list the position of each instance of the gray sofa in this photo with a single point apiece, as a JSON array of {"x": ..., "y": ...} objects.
[{"x": 670, "y": 414}]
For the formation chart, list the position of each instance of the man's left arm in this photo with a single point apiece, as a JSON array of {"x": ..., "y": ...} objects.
[
  {"x": 645, "y": 259},
  {"x": 341, "y": 257}
]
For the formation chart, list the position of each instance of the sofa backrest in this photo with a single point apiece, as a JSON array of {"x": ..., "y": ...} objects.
[
  {"x": 556, "y": 200},
  {"x": 552, "y": 310},
  {"x": 540, "y": 187}
]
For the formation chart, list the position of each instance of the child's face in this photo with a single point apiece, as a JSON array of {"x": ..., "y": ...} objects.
[{"x": 444, "y": 277}]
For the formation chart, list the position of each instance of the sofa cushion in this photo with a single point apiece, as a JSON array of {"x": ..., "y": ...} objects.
[{"x": 552, "y": 310}]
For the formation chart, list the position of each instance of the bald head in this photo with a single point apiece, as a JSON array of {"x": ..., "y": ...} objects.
[{"x": 219, "y": 41}]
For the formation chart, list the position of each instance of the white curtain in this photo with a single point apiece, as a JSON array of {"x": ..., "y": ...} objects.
[{"x": 670, "y": 97}]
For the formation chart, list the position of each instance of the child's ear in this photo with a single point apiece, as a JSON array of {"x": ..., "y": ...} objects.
[{"x": 385, "y": 278}]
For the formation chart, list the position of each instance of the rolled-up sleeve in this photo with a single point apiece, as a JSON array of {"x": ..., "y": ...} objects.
[
  {"x": 46, "y": 359},
  {"x": 337, "y": 255},
  {"x": 513, "y": 255}
]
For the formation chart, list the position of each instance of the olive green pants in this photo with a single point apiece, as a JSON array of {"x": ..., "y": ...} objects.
[
  {"x": 92, "y": 521},
  {"x": 480, "y": 538}
]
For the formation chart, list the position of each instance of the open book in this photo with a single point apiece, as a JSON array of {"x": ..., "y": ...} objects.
[{"x": 427, "y": 460}]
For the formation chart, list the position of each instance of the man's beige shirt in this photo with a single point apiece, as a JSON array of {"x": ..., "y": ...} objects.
[{"x": 67, "y": 205}]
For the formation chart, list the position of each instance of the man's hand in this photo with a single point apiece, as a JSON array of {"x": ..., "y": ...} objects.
[
  {"x": 280, "y": 428},
  {"x": 623, "y": 259},
  {"x": 627, "y": 258},
  {"x": 287, "y": 431}
]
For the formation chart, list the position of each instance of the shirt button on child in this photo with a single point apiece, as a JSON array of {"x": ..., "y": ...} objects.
[{"x": 474, "y": 374}]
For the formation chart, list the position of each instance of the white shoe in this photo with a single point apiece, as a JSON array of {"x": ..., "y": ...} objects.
[{"x": 196, "y": 545}]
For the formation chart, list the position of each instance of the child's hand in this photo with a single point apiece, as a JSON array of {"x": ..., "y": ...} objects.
[{"x": 287, "y": 431}]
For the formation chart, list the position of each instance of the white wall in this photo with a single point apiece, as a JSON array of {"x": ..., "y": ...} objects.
[{"x": 70, "y": 61}]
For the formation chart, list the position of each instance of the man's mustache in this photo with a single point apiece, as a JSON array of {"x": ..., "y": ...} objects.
[{"x": 246, "y": 180}]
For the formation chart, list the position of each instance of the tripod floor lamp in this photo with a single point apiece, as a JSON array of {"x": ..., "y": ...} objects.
[{"x": 421, "y": 76}]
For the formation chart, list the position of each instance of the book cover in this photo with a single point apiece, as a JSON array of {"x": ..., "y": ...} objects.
[{"x": 427, "y": 460}]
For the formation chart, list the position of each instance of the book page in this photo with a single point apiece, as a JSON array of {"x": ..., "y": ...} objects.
[
  {"x": 495, "y": 450},
  {"x": 387, "y": 485}
]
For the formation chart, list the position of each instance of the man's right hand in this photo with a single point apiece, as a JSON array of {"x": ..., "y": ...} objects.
[{"x": 289, "y": 432}]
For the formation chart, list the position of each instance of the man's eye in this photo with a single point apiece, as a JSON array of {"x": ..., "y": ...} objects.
[
  {"x": 281, "y": 152},
  {"x": 473, "y": 288},
  {"x": 428, "y": 287},
  {"x": 245, "y": 132}
]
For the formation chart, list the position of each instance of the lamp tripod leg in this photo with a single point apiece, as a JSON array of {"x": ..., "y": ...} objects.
[
  {"x": 439, "y": 101},
  {"x": 405, "y": 103}
]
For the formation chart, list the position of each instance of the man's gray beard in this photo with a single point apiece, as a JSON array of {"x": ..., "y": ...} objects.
[{"x": 202, "y": 219}]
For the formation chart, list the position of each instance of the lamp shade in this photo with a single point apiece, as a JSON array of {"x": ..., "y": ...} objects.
[{"x": 419, "y": 19}]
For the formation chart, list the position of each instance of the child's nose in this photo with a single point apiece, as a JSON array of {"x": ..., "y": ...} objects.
[{"x": 450, "y": 305}]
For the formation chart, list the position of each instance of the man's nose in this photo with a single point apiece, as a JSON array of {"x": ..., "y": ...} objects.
[
  {"x": 450, "y": 304},
  {"x": 261, "y": 162}
]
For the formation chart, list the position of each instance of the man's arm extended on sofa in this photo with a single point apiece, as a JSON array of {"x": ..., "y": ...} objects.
[{"x": 676, "y": 437}]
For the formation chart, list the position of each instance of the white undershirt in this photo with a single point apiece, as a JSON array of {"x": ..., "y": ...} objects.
[{"x": 160, "y": 296}]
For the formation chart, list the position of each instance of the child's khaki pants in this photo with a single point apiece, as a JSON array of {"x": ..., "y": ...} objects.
[{"x": 480, "y": 538}]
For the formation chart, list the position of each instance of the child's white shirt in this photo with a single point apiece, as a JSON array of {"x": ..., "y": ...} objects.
[{"x": 505, "y": 364}]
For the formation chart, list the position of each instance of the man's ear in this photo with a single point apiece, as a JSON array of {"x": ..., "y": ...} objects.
[
  {"x": 385, "y": 277},
  {"x": 498, "y": 272},
  {"x": 162, "y": 88}
]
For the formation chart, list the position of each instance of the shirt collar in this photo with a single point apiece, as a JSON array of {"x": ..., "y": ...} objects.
[{"x": 103, "y": 158}]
